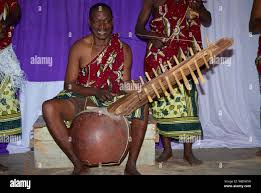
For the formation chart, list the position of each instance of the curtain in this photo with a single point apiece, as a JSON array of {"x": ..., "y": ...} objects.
[{"x": 49, "y": 28}]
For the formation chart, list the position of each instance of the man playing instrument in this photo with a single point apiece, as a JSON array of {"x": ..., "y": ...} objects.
[
  {"x": 97, "y": 66},
  {"x": 175, "y": 26}
]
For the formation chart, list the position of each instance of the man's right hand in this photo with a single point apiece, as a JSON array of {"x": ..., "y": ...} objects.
[
  {"x": 158, "y": 43},
  {"x": 104, "y": 95}
]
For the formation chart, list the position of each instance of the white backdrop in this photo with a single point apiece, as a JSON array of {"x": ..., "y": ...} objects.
[{"x": 229, "y": 101}]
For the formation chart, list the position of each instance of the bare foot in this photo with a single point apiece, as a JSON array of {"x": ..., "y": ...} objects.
[
  {"x": 192, "y": 160},
  {"x": 81, "y": 169},
  {"x": 3, "y": 168},
  {"x": 258, "y": 153},
  {"x": 131, "y": 171},
  {"x": 164, "y": 156}
]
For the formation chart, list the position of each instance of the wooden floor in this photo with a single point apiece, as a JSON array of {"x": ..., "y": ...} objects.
[{"x": 220, "y": 161}]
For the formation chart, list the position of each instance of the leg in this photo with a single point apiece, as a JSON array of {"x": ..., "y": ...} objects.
[
  {"x": 138, "y": 130},
  {"x": 3, "y": 168},
  {"x": 258, "y": 153},
  {"x": 167, "y": 151},
  {"x": 55, "y": 111},
  {"x": 189, "y": 156}
]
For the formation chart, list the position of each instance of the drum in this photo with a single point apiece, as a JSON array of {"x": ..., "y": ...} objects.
[{"x": 99, "y": 137}]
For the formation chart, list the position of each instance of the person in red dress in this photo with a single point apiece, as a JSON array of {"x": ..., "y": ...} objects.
[{"x": 175, "y": 27}]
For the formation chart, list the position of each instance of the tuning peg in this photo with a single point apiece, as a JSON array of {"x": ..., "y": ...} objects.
[
  {"x": 145, "y": 90},
  {"x": 211, "y": 55},
  {"x": 182, "y": 54},
  {"x": 201, "y": 78},
  {"x": 161, "y": 53},
  {"x": 134, "y": 84},
  {"x": 176, "y": 60},
  {"x": 185, "y": 80},
  {"x": 196, "y": 44},
  {"x": 207, "y": 41},
  {"x": 171, "y": 89},
  {"x": 162, "y": 68},
  {"x": 205, "y": 61},
  {"x": 161, "y": 84},
  {"x": 177, "y": 81},
  {"x": 193, "y": 74},
  {"x": 169, "y": 64},
  {"x": 191, "y": 52},
  {"x": 152, "y": 85}
]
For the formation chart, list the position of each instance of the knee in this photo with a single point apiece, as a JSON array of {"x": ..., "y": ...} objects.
[{"x": 48, "y": 108}]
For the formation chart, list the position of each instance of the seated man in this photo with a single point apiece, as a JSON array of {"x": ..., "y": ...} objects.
[{"x": 97, "y": 66}]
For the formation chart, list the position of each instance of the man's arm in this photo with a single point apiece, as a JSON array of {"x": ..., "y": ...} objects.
[
  {"x": 72, "y": 75},
  {"x": 128, "y": 85},
  {"x": 127, "y": 63},
  {"x": 204, "y": 14},
  {"x": 255, "y": 19},
  {"x": 140, "y": 28}
]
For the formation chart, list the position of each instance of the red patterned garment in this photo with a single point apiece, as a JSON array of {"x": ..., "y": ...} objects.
[
  {"x": 106, "y": 69},
  {"x": 6, "y": 6},
  {"x": 173, "y": 20}
]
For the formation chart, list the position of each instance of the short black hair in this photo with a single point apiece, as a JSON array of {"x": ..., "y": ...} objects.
[{"x": 96, "y": 7}]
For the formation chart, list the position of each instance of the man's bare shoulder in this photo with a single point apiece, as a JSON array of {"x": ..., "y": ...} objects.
[
  {"x": 126, "y": 47},
  {"x": 83, "y": 43}
]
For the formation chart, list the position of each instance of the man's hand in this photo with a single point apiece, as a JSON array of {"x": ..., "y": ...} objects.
[
  {"x": 157, "y": 43},
  {"x": 104, "y": 95},
  {"x": 197, "y": 5}
]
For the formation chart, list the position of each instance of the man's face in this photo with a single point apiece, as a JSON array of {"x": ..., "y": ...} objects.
[{"x": 101, "y": 23}]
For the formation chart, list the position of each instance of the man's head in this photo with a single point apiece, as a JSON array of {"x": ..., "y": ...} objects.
[{"x": 100, "y": 20}]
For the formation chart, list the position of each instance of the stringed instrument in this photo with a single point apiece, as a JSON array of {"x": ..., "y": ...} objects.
[{"x": 163, "y": 83}]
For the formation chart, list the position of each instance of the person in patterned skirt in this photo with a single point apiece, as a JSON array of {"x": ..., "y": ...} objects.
[{"x": 175, "y": 26}]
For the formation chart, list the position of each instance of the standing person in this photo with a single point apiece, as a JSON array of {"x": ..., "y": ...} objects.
[
  {"x": 97, "y": 66},
  {"x": 11, "y": 75},
  {"x": 174, "y": 25},
  {"x": 255, "y": 28}
]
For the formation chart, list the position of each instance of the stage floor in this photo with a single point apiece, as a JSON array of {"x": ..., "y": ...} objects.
[{"x": 221, "y": 161}]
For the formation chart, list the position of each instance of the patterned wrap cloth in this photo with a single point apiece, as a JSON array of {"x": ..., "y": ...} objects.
[{"x": 177, "y": 117}]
